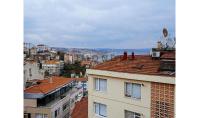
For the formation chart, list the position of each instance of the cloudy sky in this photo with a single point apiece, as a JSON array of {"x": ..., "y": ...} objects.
[{"x": 98, "y": 23}]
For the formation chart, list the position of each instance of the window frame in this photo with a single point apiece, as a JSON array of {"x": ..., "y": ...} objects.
[
  {"x": 98, "y": 113},
  {"x": 97, "y": 86},
  {"x": 135, "y": 114},
  {"x": 65, "y": 105},
  {"x": 42, "y": 115},
  {"x": 57, "y": 112},
  {"x": 131, "y": 95}
]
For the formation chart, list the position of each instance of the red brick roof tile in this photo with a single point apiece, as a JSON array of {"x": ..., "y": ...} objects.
[
  {"x": 81, "y": 109},
  {"x": 45, "y": 86},
  {"x": 141, "y": 64},
  {"x": 170, "y": 55}
]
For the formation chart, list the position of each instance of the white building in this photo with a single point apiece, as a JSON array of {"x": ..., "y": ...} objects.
[
  {"x": 49, "y": 99},
  {"x": 53, "y": 67},
  {"x": 32, "y": 71},
  {"x": 68, "y": 58}
]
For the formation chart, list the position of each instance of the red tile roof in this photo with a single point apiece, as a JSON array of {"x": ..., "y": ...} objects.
[
  {"x": 52, "y": 62},
  {"x": 30, "y": 61},
  {"x": 141, "y": 64},
  {"x": 45, "y": 86},
  {"x": 81, "y": 109},
  {"x": 168, "y": 55}
]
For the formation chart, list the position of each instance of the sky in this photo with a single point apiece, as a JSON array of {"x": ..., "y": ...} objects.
[{"x": 131, "y": 24}]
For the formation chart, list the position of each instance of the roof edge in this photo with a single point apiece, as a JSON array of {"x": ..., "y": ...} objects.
[{"x": 141, "y": 77}]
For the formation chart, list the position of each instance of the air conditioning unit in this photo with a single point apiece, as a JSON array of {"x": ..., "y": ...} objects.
[{"x": 155, "y": 54}]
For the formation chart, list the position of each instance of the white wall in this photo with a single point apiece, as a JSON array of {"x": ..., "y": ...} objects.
[
  {"x": 115, "y": 98},
  {"x": 35, "y": 71}
]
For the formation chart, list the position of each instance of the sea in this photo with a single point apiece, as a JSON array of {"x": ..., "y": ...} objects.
[{"x": 144, "y": 51}]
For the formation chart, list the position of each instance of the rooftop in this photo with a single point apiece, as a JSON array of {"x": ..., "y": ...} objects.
[
  {"x": 45, "y": 86},
  {"x": 141, "y": 64},
  {"x": 81, "y": 79},
  {"x": 86, "y": 62},
  {"x": 30, "y": 61},
  {"x": 81, "y": 109},
  {"x": 51, "y": 62},
  {"x": 168, "y": 56}
]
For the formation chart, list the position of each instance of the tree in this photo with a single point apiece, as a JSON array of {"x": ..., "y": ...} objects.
[{"x": 73, "y": 68}]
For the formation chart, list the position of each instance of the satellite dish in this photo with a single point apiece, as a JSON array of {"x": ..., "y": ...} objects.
[{"x": 165, "y": 32}]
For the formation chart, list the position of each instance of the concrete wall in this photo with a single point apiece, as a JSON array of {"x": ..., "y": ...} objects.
[
  {"x": 115, "y": 98},
  {"x": 36, "y": 73},
  {"x": 51, "y": 68},
  {"x": 60, "y": 105},
  {"x": 30, "y": 102},
  {"x": 35, "y": 110},
  {"x": 30, "y": 106}
]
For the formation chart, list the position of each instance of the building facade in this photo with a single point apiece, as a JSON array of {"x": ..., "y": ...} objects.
[
  {"x": 50, "y": 98},
  {"x": 32, "y": 71},
  {"x": 132, "y": 87},
  {"x": 54, "y": 67},
  {"x": 68, "y": 58}
]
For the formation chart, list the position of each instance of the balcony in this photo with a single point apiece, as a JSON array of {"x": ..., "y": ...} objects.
[{"x": 54, "y": 98}]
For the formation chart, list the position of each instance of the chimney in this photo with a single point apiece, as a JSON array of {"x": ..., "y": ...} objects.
[
  {"x": 125, "y": 56},
  {"x": 50, "y": 80},
  {"x": 132, "y": 56}
]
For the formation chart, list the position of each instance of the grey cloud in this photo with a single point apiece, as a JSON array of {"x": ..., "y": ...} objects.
[{"x": 98, "y": 23}]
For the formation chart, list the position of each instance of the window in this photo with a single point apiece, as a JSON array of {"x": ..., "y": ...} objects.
[
  {"x": 130, "y": 114},
  {"x": 76, "y": 97},
  {"x": 27, "y": 115},
  {"x": 66, "y": 105},
  {"x": 100, "y": 84},
  {"x": 100, "y": 109},
  {"x": 39, "y": 115},
  {"x": 57, "y": 112},
  {"x": 45, "y": 116},
  {"x": 30, "y": 72},
  {"x": 133, "y": 90}
]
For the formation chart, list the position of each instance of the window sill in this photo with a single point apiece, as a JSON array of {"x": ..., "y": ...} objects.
[
  {"x": 98, "y": 116},
  {"x": 137, "y": 99},
  {"x": 101, "y": 91}
]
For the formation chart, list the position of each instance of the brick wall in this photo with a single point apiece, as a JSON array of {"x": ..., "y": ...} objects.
[{"x": 162, "y": 100}]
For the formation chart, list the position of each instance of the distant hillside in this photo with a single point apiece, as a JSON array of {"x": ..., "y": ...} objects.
[{"x": 103, "y": 50}]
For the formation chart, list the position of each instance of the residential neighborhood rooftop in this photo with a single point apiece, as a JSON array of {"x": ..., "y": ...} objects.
[
  {"x": 51, "y": 62},
  {"x": 138, "y": 64},
  {"x": 45, "y": 86},
  {"x": 81, "y": 109}
]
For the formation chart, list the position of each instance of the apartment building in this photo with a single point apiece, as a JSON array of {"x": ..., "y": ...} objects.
[
  {"x": 68, "y": 58},
  {"x": 32, "y": 71},
  {"x": 83, "y": 84},
  {"x": 33, "y": 51},
  {"x": 54, "y": 67},
  {"x": 49, "y": 98},
  {"x": 42, "y": 48},
  {"x": 133, "y": 86}
]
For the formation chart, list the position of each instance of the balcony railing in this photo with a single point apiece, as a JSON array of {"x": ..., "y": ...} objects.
[{"x": 54, "y": 98}]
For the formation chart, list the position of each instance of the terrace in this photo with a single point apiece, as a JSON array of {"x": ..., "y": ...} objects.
[{"x": 53, "y": 98}]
